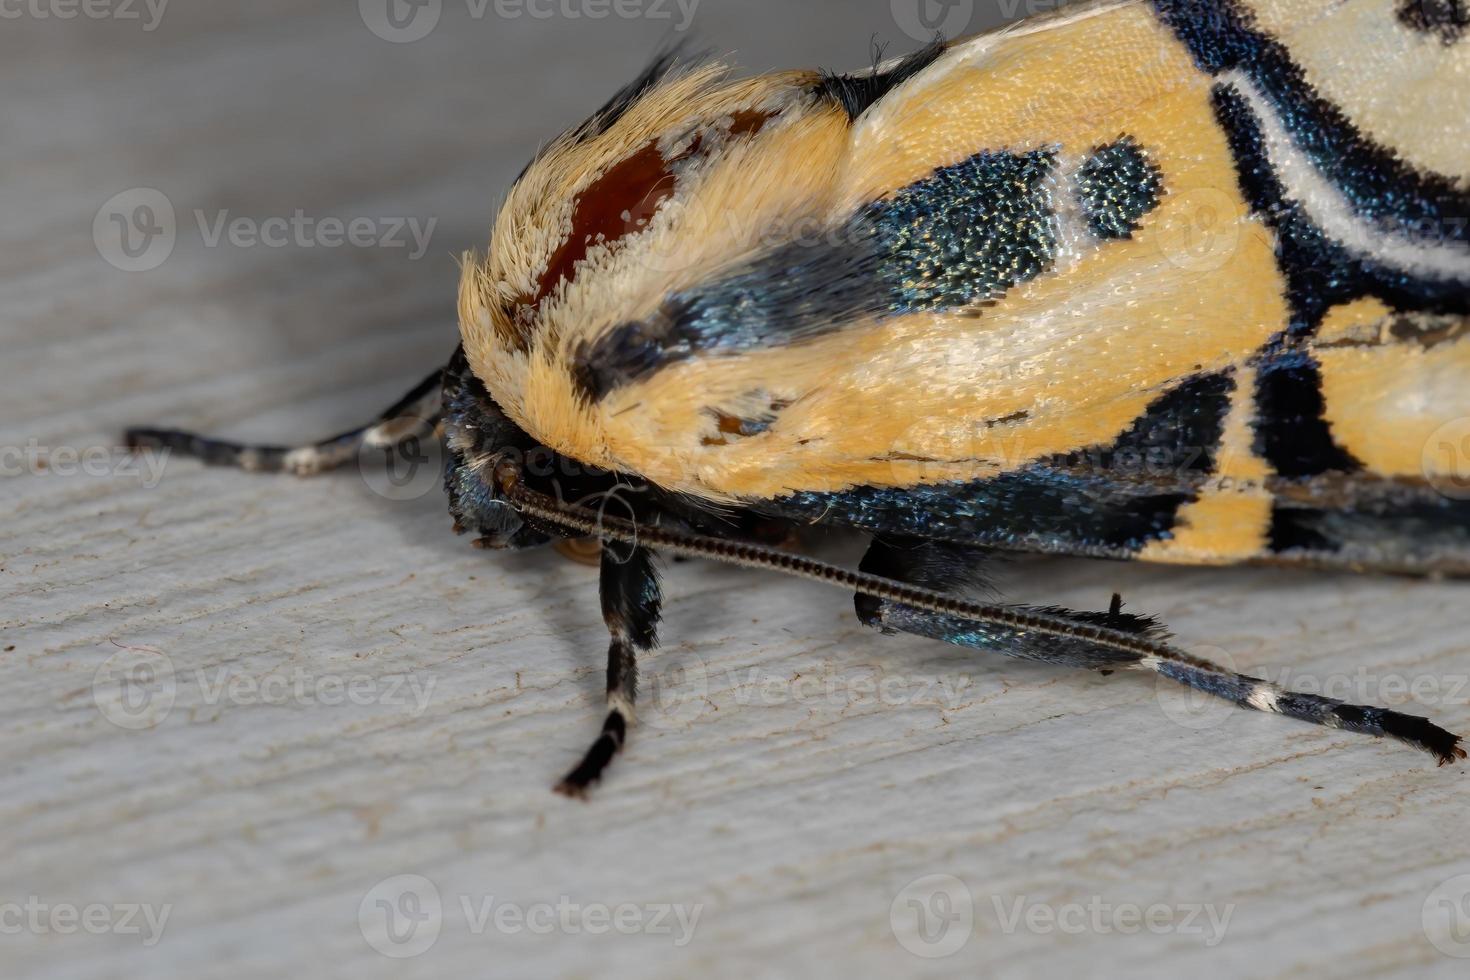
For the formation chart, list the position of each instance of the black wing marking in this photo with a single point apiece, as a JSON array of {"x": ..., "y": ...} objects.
[
  {"x": 1109, "y": 501},
  {"x": 859, "y": 93}
]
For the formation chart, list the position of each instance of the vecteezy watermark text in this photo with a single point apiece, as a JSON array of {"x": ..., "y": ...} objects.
[
  {"x": 935, "y": 915},
  {"x": 402, "y": 917},
  {"x": 1201, "y": 710},
  {"x": 149, "y": 12},
  {"x": 137, "y": 230},
  {"x": 302, "y": 230},
  {"x": 405, "y": 21},
  {"x": 137, "y": 686},
  {"x": 679, "y": 690},
  {"x": 1101, "y": 917},
  {"x": 39, "y": 917},
  {"x": 34, "y": 459},
  {"x": 923, "y": 20}
]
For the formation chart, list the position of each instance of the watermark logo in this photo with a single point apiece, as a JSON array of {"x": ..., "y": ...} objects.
[
  {"x": 678, "y": 694},
  {"x": 401, "y": 21},
  {"x": 1446, "y": 917},
  {"x": 406, "y": 463},
  {"x": 135, "y": 688},
  {"x": 922, "y": 20},
  {"x": 135, "y": 230},
  {"x": 1205, "y": 231},
  {"x": 402, "y": 916},
  {"x": 1445, "y": 460},
  {"x": 1191, "y": 707},
  {"x": 933, "y": 916}
]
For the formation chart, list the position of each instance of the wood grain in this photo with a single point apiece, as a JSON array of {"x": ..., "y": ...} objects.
[{"x": 793, "y": 774}]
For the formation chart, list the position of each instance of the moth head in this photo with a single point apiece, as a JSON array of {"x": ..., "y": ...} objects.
[
  {"x": 483, "y": 447},
  {"x": 477, "y": 436}
]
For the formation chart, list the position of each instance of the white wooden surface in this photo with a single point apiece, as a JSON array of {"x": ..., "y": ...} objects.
[{"x": 776, "y": 789}]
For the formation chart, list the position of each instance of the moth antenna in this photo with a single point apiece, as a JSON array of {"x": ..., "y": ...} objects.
[
  {"x": 1145, "y": 653},
  {"x": 415, "y": 415}
]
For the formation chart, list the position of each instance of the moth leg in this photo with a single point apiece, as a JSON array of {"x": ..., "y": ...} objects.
[
  {"x": 959, "y": 569},
  {"x": 414, "y": 416},
  {"x": 631, "y": 605},
  {"x": 942, "y": 566}
]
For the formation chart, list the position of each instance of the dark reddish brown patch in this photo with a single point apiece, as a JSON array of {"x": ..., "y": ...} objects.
[
  {"x": 622, "y": 201},
  {"x": 635, "y": 186},
  {"x": 747, "y": 122},
  {"x": 731, "y": 425}
]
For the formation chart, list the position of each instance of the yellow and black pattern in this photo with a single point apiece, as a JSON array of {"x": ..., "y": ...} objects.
[
  {"x": 1171, "y": 280},
  {"x": 1179, "y": 281},
  {"x": 1068, "y": 295}
]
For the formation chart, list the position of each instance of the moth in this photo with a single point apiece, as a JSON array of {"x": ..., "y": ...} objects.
[{"x": 1180, "y": 281}]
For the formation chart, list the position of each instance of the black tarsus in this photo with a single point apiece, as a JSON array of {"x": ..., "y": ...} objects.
[
  {"x": 631, "y": 606},
  {"x": 947, "y": 569},
  {"x": 577, "y": 782},
  {"x": 416, "y": 413}
]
